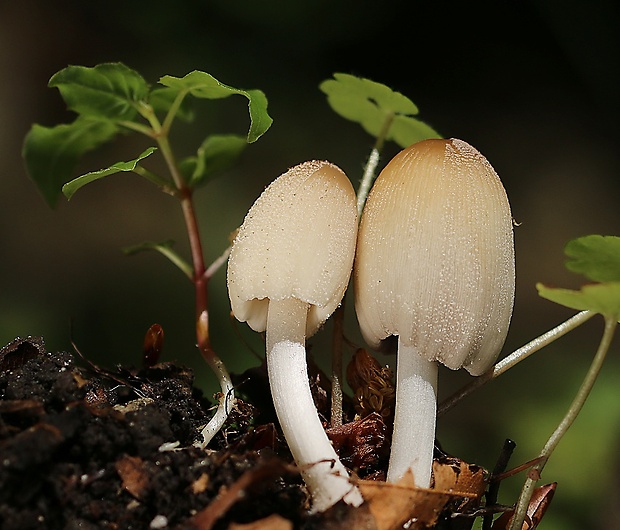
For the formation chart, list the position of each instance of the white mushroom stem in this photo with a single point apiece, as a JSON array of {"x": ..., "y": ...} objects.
[
  {"x": 321, "y": 469},
  {"x": 415, "y": 415}
]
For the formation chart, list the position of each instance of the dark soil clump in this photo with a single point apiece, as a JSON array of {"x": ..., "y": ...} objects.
[{"x": 82, "y": 447}]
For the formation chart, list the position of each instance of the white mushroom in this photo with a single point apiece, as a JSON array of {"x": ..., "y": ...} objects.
[
  {"x": 288, "y": 270},
  {"x": 434, "y": 267}
]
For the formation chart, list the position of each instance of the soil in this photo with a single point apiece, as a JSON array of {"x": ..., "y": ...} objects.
[{"x": 86, "y": 448}]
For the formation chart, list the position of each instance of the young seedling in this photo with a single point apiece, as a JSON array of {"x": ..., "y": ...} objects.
[
  {"x": 288, "y": 270},
  {"x": 110, "y": 99},
  {"x": 435, "y": 267}
]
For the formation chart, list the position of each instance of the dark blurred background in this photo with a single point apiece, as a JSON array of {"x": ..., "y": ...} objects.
[{"x": 533, "y": 85}]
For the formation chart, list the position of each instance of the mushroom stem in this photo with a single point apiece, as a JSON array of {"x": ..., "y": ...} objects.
[
  {"x": 415, "y": 414},
  {"x": 320, "y": 467}
]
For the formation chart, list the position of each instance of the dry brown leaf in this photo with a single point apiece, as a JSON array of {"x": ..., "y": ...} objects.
[
  {"x": 372, "y": 385},
  {"x": 393, "y": 505},
  {"x": 273, "y": 522},
  {"x": 541, "y": 499},
  {"x": 458, "y": 476},
  {"x": 360, "y": 443},
  {"x": 135, "y": 480}
]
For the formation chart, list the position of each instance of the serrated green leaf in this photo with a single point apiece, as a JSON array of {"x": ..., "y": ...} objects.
[
  {"x": 596, "y": 257},
  {"x": 109, "y": 90},
  {"x": 375, "y": 106},
  {"x": 71, "y": 187},
  {"x": 51, "y": 153},
  {"x": 602, "y": 298},
  {"x": 161, "y": 100},
  {"x": 217, "y": 153},
  {"x": 164, "y": 248},
  {"x": 203, "y": 85}
]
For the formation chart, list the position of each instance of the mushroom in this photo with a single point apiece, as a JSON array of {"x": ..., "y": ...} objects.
[
  {"x": 434, "y": 266},
  {"x": 288, "y": 270}
]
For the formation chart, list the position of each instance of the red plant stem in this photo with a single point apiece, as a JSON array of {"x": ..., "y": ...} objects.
[
  {"x": 199, "y": 280},
  {"x": 185, "y": 195}
]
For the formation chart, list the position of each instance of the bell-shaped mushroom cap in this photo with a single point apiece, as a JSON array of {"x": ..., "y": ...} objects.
[
  {"x": 297, "y": 240},
  {"x": 435, "y": 256}
]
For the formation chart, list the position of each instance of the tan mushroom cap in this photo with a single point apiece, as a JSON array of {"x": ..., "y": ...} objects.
[
  {"x": 297, "y": 240},
  {"x": 435, "y": 256}
]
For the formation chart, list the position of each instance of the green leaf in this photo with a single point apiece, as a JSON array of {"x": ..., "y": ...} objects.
[
  {"x": 109, "y": 90},
  {"x": 217, "y": 153},
  {"x": 596, "y": 257},
  {"x": 205, "y": 86},
  {"x": 161, "y": 100},
  {"x": 260, "y": 120},
  {"x": 602, "y": 298},
  {"x": 406, "y": 131},
  {"x": 200, "y": 85},
  {"x": 375, "y": 106},
  {"x": 51, "y": 153},
  {"x": 71, "y": 187},
  {"x": 164, "y": 248}
]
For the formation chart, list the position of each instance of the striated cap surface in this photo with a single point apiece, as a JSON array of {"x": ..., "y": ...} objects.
[{"x": 435, "y": 256}]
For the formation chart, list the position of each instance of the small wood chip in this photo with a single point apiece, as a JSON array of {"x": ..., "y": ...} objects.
[
  {"x": 131, "y": 471},
  {"x": 273, "y": 522},
  {"x": 200, "y": 484}
]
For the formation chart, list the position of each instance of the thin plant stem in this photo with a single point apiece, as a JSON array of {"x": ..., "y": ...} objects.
[
  {"x": 183, "y": 266},
  {"x": 227, "y": 400},
  {"x": 337, "y": 340},
  {"x": 163, "y": 184},
  {"x": 367, "y": 180},
  {"x": 201, "y": 281},
  {"x": 172, "y": 111},
  {"x": 371, "y": 166},
  {"x": 200, "y": 278},
  {"x": 217, "y": 264},
  {"x": 514, "y": 358},
  {"x": 137, "y": 127},
  {"x": 574, "y": 409}
]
